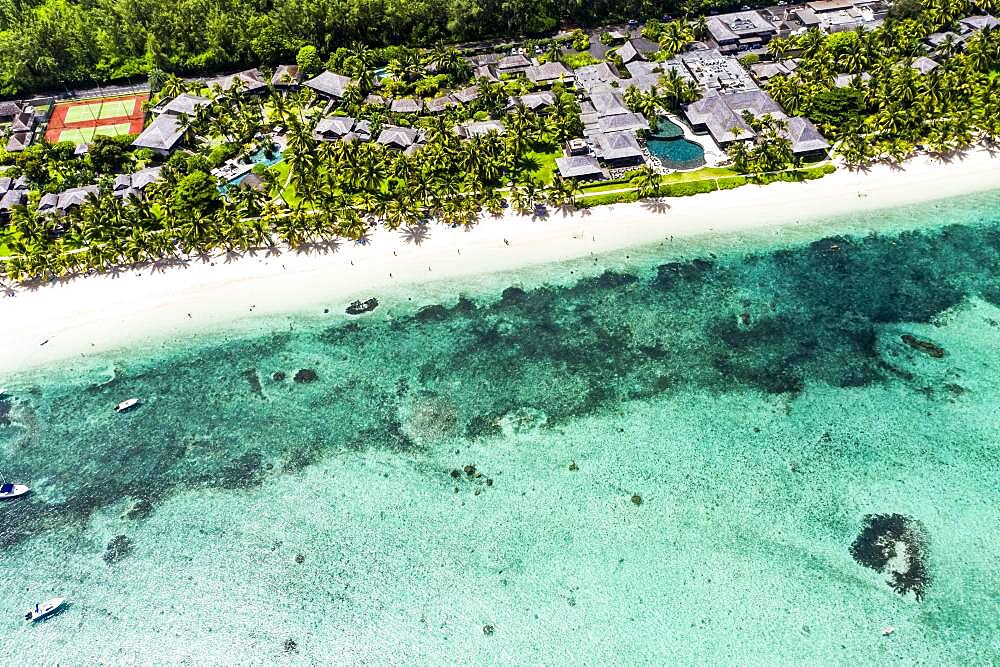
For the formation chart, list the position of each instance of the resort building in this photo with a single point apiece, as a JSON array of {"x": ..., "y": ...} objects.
[
  {"x": 843, "y": 15},
  {"x": 163, "y": 135},
  {"x": 9, "y": 111},
  {"x": 548, "y": 74},
  {"x": 629, "y": 52},
  {"x": 342, "y": 128},
  {"x": 169, "y": 127},
  {"x": 740, "y": 31},
  {"x": 714, "y": 72},
  {"x": 924, "y": 65},
  {"x": 626, "y": 122},
  {"x": 580, "y": 167},
  {"x": 764, "y": 71},
  {"x": 132, "y": 185},
  {"x": 286, "y": 77},
  {"x": 62, "y": 202},
  {"x": 721, "y": 116},
  {"x": 19, "y": 122},
  {"x": 536, "y": 101},
  {"x": 440, "y": 104},
  {"x": 466, "y": 95},
  {"x": 328, "y": 84},
  {"x": 512, "y": 66},
  {"x": 619, "y": 149},
  {"x": 806, "y": 140},
  {"x": 608, "y": 104},
  {"x": 12, "y": 193},
  {"x": 18, "y": 141},
  {"x": 477, "y": 128},
  {"x": 248, "y": 81},
  {"x": 597, "y": 78},
  {"x": 406, "y": 105},
  {"x": 400, "y": 138},
  {"x": 184, "y": 104}
]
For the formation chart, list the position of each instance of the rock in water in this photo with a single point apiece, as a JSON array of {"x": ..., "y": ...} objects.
[
  {"x": 895, "y": 544},
  {"x": 118, "y": 548},
  {"x": 305, "y": 375},
  {"x": 253, "y": 379},
  {"x": 359, "y": 307},
  {"x": 140, "y": 510},
  {"x": 924, "y": 346}
]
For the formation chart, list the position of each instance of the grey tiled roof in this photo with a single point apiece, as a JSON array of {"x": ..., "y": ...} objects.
[
  {"x": 924, "y": 65},
  {"x": 579, "y": 166},
  {"x": 513, "y": 63},
  {"x": 548, "y": 72},
  {"x": 399, "y": 137},
  {"x": 466, "y": 95},
  {"x": 478, "y": 128},
  {"x": 329, "y": 84},
  {"x": 163, "y": 134},
  {"x": 286, "y": 75},
  {"x": 19, "y": 141},
  {"x": 8, "y": 109},
  {"x": 186, "y": 104},
  {"x": 628, "y": 52},
  {"x": 334, "y": 126},
  {"x": 599, "y": 76},
  {"x": 538, "y": 100},
  {"x": 406, "y": 105},
  {"x": 12, "y": 198},
  {"x": 608, "y": 104},
  {"x": 721, "y": 113},
  {"x": 617, "y": 146},
  {"x": 439, "y": 104},
  {"x": 804, "y": 136},
  {"x": 251, "y": 78},
  {"x": 627, "y": 122}
]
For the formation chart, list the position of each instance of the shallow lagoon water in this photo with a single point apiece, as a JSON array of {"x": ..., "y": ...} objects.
[{"x": 668, "y": 462}]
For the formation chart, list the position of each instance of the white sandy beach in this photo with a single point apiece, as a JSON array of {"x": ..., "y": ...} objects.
[{"x": 97, "y": 314}]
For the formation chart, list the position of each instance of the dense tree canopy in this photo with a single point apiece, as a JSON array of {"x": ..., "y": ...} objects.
[{"x": 56, "y": 43}]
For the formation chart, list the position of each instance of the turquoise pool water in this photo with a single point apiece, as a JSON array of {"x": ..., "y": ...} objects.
[
  {"x": 673, "y": 150},
  {"x": 667, "y": 129},
  {"x": 258, "y": 157},
  {"x": 665, "y": 456},
  {"x": 677, "y": 153}
]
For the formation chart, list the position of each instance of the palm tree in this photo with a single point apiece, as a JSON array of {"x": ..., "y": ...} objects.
[{"x": 647, "y": 181}]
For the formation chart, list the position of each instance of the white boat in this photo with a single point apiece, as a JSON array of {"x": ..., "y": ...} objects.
[
  {"x": 126, "y": 405},
  {"x": 8, "y": 491},
  {"x": 44, "y": 609}
]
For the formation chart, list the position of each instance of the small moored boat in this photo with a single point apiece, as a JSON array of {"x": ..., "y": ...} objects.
[
  {"x": 44, "y": 609},
  {"x": 8, "y": 490},
  {"x": 127, "y": 405}
]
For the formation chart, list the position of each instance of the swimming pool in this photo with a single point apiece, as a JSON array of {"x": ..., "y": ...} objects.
[
  {"x": 260, "y": 157},
  {"x": 674, "y": 151}
]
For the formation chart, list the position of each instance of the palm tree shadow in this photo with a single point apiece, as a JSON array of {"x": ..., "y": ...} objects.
[
  {"x": 415, "y": 234},
  {"x": 658, "y": 205}
]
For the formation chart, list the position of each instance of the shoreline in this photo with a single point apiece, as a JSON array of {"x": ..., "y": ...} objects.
[{"x": 99, "y": 314}]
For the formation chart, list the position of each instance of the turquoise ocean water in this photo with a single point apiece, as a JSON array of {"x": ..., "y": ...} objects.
[{"x": 666, "y": 456}]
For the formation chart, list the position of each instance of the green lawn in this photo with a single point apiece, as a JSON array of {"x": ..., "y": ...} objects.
[
  {"x": 280, "y": 173},
  {"x": 546, "y": 165},
  {"x": 675, "y": 177},
  {"x": 84, "y": 135},
  {"x": 100, "y": 110}
]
